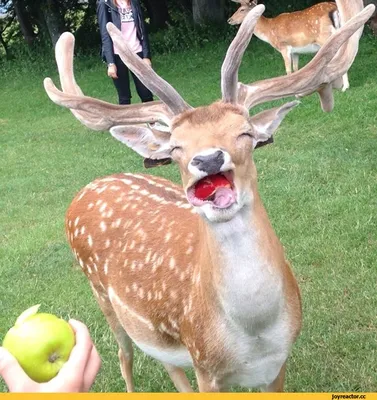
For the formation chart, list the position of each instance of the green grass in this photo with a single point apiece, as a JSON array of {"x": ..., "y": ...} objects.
[{"x": 318, "y": 182}]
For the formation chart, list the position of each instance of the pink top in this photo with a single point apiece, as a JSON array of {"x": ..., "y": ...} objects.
[{"x": 128, "y": 28}]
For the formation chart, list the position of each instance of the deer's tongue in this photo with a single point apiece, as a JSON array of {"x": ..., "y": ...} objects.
[{"x": 224, "y": 197}]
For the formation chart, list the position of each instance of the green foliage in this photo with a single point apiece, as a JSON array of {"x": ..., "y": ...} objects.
[
  {"x": 184, "y": 34},
  {"x": 276, "y": 7}
]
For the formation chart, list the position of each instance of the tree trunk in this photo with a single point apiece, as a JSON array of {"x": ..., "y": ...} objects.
[
  {"x": 158, "y": 13},
  {"x": 25, "y": 24},
  {"x": 54, "y": 21},
  {"x": 208, "y": 11}
]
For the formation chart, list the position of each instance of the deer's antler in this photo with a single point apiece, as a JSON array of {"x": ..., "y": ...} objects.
[
  {"x": 321, "y": 74},
  {"x": 100, "y": 115},
  {"x": 147, "y": 75},
  {"x": 233, "y": 58},
  {"x": 324, "y": 70}
]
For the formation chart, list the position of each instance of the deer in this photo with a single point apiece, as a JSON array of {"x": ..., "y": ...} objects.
[
  {"x": 196, "y": 281},
  {"x": 295, "y": 33}
]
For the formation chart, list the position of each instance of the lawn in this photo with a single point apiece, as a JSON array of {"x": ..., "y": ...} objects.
[{"x": 318, "y": 182}]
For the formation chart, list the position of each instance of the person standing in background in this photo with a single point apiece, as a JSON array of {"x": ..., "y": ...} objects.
[{"x": 127, "y": 16}]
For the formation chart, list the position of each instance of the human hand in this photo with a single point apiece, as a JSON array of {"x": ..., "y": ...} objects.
[
  {"x": 76, "y": 375},
  {"x": 112, "y": 71},
  {"x": 148, "y": 61}
]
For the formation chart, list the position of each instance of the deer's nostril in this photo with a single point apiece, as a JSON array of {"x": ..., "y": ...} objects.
[
  {"x": 211, "y": 163},
  {"x": 195, "y": 162},
  {"x": 219, "y": 155}
]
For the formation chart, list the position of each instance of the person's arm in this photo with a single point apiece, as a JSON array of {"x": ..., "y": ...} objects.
[
  {"x": 76, "y": 375},
  {"x": 107, "y": 43}
]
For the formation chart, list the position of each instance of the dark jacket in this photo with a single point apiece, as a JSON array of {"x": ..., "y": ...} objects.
[{"x": 107, "y": 11}]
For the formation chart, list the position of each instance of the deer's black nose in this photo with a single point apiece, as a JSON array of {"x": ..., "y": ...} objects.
[{"x": 211, "y": 163}]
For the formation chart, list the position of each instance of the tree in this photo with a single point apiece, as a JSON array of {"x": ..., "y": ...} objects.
[
  {"x": 54, "y": 19},
  {"x": 23, "y": 18},
  {"x": 208, "y": 11},
  {"x": 158, "y": 13}
]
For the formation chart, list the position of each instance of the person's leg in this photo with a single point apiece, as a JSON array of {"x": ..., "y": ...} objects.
[
  {"x": 122, "y": 84},
  {"x": 144, "y": 93}
]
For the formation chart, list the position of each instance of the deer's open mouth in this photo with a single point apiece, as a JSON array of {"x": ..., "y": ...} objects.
[{"x": 217, "y": 190}]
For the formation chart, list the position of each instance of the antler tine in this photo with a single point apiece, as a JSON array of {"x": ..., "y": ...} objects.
[
  {"x": 324, "y": 69},
  {"x": 147, "y": 75},
  {"x": 344, "y": 57},
  {"x": 104, "y": 115},
  {"x": 348, "y": 8},
  {"x": 64, "y": 51},
  {"x": 93, "y": 113},
  {"x": 233, "y": 58}
]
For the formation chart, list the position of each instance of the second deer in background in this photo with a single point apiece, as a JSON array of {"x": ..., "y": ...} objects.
[{"x": 294, "y": 33}]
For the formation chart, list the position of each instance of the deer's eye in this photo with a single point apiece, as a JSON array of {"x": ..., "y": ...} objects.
[
  {"x": 246, "y": 134},
  {"x": 175, "y": 149}
]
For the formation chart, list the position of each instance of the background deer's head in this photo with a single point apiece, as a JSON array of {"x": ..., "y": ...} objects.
[{"x": 245, "y": 7}]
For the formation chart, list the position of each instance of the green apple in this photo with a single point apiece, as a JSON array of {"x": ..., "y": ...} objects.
[{"x": 41, "y": 343}]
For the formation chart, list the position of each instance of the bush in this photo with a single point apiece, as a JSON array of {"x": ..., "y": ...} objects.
[{"x": 183, "y": 34}]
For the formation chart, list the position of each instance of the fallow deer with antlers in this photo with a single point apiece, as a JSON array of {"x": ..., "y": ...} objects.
[
  {"x": 196, "y": 279},
  {"x": 295, "y": 33}
]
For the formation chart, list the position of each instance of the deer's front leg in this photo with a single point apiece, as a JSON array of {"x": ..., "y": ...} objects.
[
  {"x": 287, "y": 56},
  {"x": 295, "y": 62},
  {"x": 179, "y": 378},
  {"x": 206, "y": 383},
  {"x": 346, "y": 83}
]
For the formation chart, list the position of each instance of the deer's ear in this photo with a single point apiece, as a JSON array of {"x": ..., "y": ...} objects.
[
  {"x": 266, "y": 122},
  {"x": 146, "y": 141}
]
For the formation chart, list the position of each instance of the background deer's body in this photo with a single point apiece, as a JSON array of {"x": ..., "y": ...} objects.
[
  {"x": 300, "y": 31},
  {"x": 219, "y": 296},
  {"x": 294, "y": 33}
]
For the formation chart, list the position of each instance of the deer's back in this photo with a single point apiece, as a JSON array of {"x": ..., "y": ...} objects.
[{"x": 306, "y": 26}]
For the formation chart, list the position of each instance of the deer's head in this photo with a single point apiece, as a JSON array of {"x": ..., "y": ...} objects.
[
  {"x": 245, "y": 7},
  {"x": 214, "y": 140}
]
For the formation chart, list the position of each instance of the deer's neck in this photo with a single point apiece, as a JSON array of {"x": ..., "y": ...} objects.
[
  {"x": 245, "y": 266},
  {"x": 263, "y": 29}
]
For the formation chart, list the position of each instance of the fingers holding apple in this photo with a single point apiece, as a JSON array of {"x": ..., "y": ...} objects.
[
  {"x": 66, "y": 351},
  {"x": 41, "y": 343},
  {"x": 84, "y": 362},
  {"x": 12, "y": 373}
]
